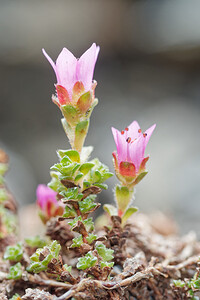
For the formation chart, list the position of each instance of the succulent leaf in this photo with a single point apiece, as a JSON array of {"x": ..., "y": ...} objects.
[
  {"x": 15, "y": 272},
  {"x": 88, "y": 261},
  {"x": 105, "y": 253},
  {"x": 14, "y": 253}
]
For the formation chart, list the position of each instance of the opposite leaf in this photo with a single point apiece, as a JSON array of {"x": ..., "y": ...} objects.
[
  {"x": 128, "y": 214},
  {"x": 104, "y": 252},
  {"x": 88, "y": 261}
]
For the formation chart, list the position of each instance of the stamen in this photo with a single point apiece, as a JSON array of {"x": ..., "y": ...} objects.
[
  {"x": 128, "y": 140},
  {"x": 144, "y": 134},
  {"x": 139, "y": 130},
  {"x": 122, "y": 132},
  {"x": 126, "y": 128}
]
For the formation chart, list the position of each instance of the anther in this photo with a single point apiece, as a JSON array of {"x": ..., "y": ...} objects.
[
  {"x": 144, "y": 134},
  {"x": 139, "y": 130},
  {"x": 122, "y": 132},
  {"x": 126, "y": 128},
  {"x": 128, "y": 140}
]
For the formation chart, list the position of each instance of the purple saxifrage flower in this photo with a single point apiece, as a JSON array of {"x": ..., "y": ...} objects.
[
  {"x": 74, "y": 76},
  {"x": 48, "y": 205},
  {"x": 130, "y": 158}
]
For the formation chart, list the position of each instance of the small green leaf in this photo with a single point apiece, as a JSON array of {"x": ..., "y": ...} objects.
[
  {"x": 140, "y": 177},
  {"x": 87, "y": 204},
  {"x": 15, "y": 272},
  {"x": 70, "y": 169},
  {"x": 107, "y": 175},
  {"x": 99, "y": 172},
  {"x": 179, "y": 283},
  {"x": 86, "y": 167},
  {"x": 106, "y": 264},
  {"x": 101, "y": 185},
  {"x": 77, "y": 242},
  {"x": 67, "y": 268},
  {"x": 89, "y": 224},
  {"x": 55, "y": 183},
  {"x": 56, "y": 167},
  {"x": 104, "y": 252},
  {"x": 73, "y": 222},
  {"x": 37, "y": 264},
  {"x": 73, "y": 155},
  {"x": 69, "y": 212},
  {"x": 128, "y": 213},
  {"x": 80, "y": 134},
  {"x": 72, "y": 193},
  {"x": 89, "y": 111},
  {"x": 196, "y": 283},
  {"x": 65, "y": 161},
  {"x": 91, "y": 238},
  {"x": 14, "y": 253},
  {"x": 88, "y": 261},
  {"x": 78, "y": 177},
  {"x": 123, "y": 196},
  {"x": 110, "y": 209},
  {"x": 35, "y": 241},
  {"x": 86, "y": 184},
  {"x": 84, "y": 102},
  {"x": 97, "y": 176},
  {"x": 70, "y": 113}
]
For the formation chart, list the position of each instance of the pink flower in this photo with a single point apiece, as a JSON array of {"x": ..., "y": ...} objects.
[
  {"x": 130, "y": 159},
  {"x": 74, "y": 76},
  {"x": 47, "y": 203}
]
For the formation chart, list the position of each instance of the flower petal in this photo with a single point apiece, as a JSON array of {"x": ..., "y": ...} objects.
[
  {"x": 149, "y": 133},
  {"x": 133, "y": 130},
  {"x": 85, "y": 66},
  {"x": 52, "y": 63},
  {"x": 66, "y": 68},
  {"x": 120, "y": 144},
  {"x": 44, "y": 194},
  {"x": 137, "y": 149}
]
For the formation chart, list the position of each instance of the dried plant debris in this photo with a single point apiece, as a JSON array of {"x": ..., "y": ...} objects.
[{"x": 152, "y": 266}]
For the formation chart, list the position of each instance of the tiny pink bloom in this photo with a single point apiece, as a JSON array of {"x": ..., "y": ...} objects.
[
  {"x": 131, "y": 144},
  {"x": 47, "y": 203},
  {"x": 69, "y": 70}
]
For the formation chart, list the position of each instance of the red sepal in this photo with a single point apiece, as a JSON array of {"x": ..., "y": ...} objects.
[
  {"x": 143, "y": 164},
  {"x": 78, "y": 88},
  {"x": 115, "y": 160},
  {"x": 63, "y": 96},
  {"x": 127, "y": 169}
]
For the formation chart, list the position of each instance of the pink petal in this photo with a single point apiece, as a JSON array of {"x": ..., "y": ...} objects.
[
  {"x": 44, "y": 194},
  {"x": 52, "y": 63},
  {"x": 120, "y": 144},
  {"x": 66, "y": 64},
  {"x": 122, "y": 148},
  {"x": 137, "y": 149},
  {"x": 114, "y": 132},
  {"x": 149, "y": 133},
  {"x": 85, "y": 66},
  {"x": 133, "y": 130}
]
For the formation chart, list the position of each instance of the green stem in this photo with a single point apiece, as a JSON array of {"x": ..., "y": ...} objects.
[{"x": 123, "y": 196}]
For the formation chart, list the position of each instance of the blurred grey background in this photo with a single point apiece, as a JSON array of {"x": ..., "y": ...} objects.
[{"x": 148, "y": 69}]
